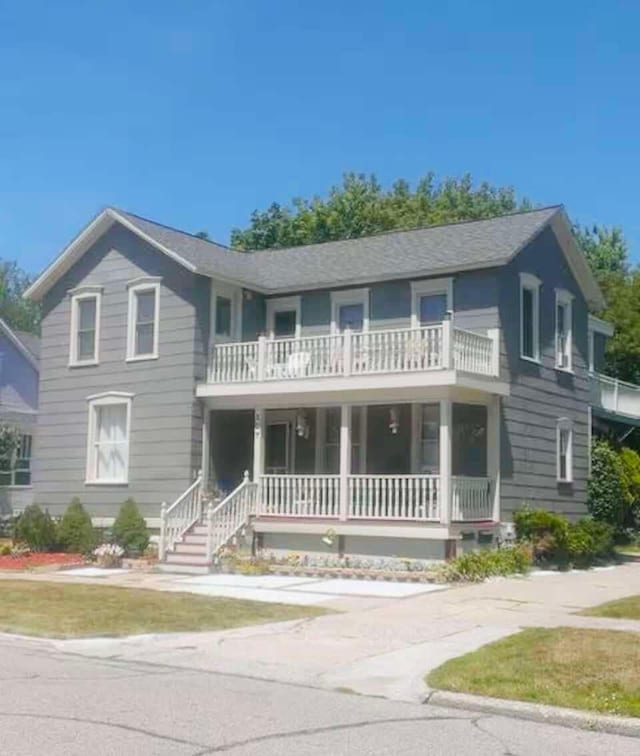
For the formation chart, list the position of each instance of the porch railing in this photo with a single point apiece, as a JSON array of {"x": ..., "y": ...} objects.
[
  {"x": 433, "y": 347},
  {"x": 615, "y": 396},
  {"x": 300, "y": 495},
  {"x": 471, "y": 499},
  {"x": 225, "y": 519},
  {"x": 394, "y": 497},
  {"x": 175, "y": 520}
]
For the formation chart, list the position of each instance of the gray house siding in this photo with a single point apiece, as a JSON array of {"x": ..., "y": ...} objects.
[
  {"x": 541, "y": 394},
  {"x": 165, "y": 417}
]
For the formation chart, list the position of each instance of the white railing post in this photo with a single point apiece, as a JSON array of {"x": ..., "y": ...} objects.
[
  {"x": 347, "y": 351},
  {"x": 258, "y": 444},
  {"x": 494, "y": 335},
  {"x": 616, "y": 392},
  {"x": 447, "y": 344},
  {"x": 345, "y": 459},
  {"x": 445, "y": 461},
  {"x": 493, "y": 454},
  {"x": 262, "y": 358},
  {"x": 162, "y": 543},
  {"x": 209, "y": 530}
]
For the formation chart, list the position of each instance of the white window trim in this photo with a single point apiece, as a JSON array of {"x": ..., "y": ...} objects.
[
  {"x": 283, "y": 304},
  {"x": 533, "y": 284},
  {"x": 77, "y": 296},
  {"x": 565, "y": 298},
  {"x": 349, "y": 297},
  {"x": 102, "y": 400},
  {"x": 424, "y": 288},
  {"x": 564, "y": 424},
  {"x": 136, "y": 287},
  {"x": 12, "y": 472},
  {"x": 596, "y": 325}
]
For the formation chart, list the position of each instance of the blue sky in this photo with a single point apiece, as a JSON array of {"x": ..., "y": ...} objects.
[{"x": 195, "y": 113}]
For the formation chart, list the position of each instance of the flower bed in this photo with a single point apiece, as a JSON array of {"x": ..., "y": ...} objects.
[
  {"x": 34, "y": 560},
  {"x": 413, "y": 576}
]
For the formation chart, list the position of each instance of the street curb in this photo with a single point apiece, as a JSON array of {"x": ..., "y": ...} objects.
[{"x": 583, "y": 720}]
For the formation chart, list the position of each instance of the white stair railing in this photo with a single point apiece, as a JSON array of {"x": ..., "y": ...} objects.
[
  {"x": 175, "y": 520},
  {"x": 225, "y": 519}
]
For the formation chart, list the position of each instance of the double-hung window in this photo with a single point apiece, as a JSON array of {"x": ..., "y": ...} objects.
[
  {"x": 108, "y": 438},
  {"x": 564, "y": 450},
  {"x": 16, "y": 470},
  {"x": 144, "y": 315},
  {"x": 564, "y": 318},
  {"x": 85, "y": 327},
  {"x": 530, "y": 317}
]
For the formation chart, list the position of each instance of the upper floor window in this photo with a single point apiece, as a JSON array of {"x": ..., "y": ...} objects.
[
  {"x": 16, "y": 470},
  {"x": 144, "y": 312},
  {"x": 85, "y": 327},
  {"x": 350, "y": 310},
  {"x": 530, "y": 317},
  {"x": 283, "y": 317},
  {"x": 108, "y": 438},
  {"x": 430, "y": 301},
  {"x": 564, "y": 328},
  {"x": 223, "y": 316},
  {"x": 564, "y": 451}
]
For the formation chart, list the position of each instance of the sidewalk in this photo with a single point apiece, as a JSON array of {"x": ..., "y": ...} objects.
[{"x": 377, "y": 646}]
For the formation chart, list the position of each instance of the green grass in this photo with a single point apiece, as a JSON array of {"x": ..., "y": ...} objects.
[
  {"x": 596, "y": 670},
  {"x": 626, "y": 608},
  {"x": 73, "y": 611},
  {"x": 629, "y": 548}
]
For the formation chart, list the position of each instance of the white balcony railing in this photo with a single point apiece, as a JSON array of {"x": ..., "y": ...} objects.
[
  {"x": 433, "y": 347},
  {"x": 615, "y": 396},
  {"x": 403, "y": 498}
]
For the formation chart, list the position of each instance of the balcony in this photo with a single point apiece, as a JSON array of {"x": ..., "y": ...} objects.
[
  {"x": 438, "y": 354},
  {"x": 615, "y": 398}
]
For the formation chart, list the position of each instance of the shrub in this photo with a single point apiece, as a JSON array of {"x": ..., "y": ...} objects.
[
  {"x": 75, "y": 532},
  {"x": 630, "y": 468},
  {"x": 130, "y": 530},
  {"x": 36, "y": 529},
  {"x": 546, "y": 532},
  {"x": 5, "y": 550},
  {"x": 478, "y": 565},
  {"x": 606, "y": 499},
  {"x": 589, "y": 541}
]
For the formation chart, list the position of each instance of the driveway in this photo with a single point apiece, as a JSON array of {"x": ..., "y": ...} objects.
[{"x": 375, "y": 645}]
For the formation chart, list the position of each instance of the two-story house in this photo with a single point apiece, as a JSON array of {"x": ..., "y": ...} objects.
[
  {"x": 19, "y": 354},
  {"x": 387, "y": 394}
]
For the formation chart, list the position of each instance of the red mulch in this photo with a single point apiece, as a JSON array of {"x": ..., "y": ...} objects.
[{"x": 33, "y": 560}]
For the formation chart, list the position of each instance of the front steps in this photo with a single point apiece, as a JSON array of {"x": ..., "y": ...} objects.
[{"x": 190, "y": 555}]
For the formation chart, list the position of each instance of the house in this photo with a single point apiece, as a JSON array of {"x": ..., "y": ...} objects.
[
  {"x": 19, "y": 355},
  {"x": 397, "y": 394}
]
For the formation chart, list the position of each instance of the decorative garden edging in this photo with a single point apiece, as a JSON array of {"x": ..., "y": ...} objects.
[{"x": 398, "y": 576}]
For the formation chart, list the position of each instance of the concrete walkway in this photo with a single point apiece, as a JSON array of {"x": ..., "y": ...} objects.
[{"x": 374, "y": 645}]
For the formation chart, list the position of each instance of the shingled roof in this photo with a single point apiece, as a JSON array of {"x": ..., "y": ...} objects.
[
  {"x": 393, "y": 254},
  {"x": 399, "y": 254}
]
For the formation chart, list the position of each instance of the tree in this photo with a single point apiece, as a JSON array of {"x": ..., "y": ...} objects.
[
  {"x": 17, "y": 312},
  {"x": 360, "y": 206},
  {"x": 622, "y": 293},
  {"x": 605, "y": 248}
]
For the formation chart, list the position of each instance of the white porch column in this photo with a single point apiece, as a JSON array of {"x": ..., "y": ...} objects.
[
  {"x": 206, "y": 448},
  {"x": 493, "y": 454},
  {"x": 345, "y": 458},
  {"x": 258, "y": 444},
  {"x": 445, "y": 461}
]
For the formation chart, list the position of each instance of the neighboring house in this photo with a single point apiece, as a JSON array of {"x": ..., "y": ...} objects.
[
  {"x": 404, "y": 390},
  {"x": 19, "y": 355}
]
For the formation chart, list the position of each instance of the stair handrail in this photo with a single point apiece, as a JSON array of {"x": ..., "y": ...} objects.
[
  {"x": 175, "y": 520},
  {"x": 230, "y": 519}
]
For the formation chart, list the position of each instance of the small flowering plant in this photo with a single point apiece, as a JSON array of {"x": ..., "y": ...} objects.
[{"x": 109, "y": 555}]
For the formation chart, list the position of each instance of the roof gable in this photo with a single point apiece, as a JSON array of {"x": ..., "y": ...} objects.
[{"x": 28, "y": 344}]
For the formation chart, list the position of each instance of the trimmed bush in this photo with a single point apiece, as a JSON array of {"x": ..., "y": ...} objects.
[
  {"x": 36, "y": 529},
  {"x": 130, "y": 530},
  {"x": 75, "y": 532},
  {"x": 630, "y": 467},
  {"x": 607, "y": 498},
  {"x": 589, "y": 541},
  {"x": 478, "y": 565}
]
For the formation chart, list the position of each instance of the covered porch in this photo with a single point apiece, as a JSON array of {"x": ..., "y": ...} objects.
[{"x": 434, "y": 462}]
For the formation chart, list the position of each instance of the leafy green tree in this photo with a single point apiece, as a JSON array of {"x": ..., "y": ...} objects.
[
  {"x": 361, "y": 206},
  {"x": 606, "y": 248},
  {"x": 17, "y": 312},
  {"x": 606, "y": 495},
  {"x": 622, "y": 293}
]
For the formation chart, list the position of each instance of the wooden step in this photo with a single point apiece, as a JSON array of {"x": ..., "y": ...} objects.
[
  {"x": 184, "y": 569},
  {"x": 187, "y": 547},
  {"x": 194, "y": 559}
]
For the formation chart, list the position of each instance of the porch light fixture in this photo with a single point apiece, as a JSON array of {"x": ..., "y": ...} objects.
[
  {"x": 302, "y": 424},
  {"x": 329, "y": 538},
  {"x": 394, "y": 420}
]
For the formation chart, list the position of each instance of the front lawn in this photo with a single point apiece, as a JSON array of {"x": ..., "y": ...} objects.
[
  {"x": 72, "y": 611},
  {"x": 626, "y": 608},
  {"x": 597, "y": 670}
]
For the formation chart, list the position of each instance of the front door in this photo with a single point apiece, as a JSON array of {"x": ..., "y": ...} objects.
[{"x": 278, "y": 451}]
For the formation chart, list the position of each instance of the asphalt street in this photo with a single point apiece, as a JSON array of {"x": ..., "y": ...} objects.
[{"x": 61, "y": 704}]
